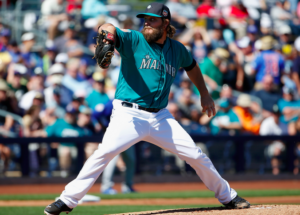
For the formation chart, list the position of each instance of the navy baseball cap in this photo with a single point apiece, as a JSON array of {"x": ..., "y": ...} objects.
[
  {"x": 5, "y": 33},
  {"x": 252, "y": 29},
  {"x": 156, "y": 9}
]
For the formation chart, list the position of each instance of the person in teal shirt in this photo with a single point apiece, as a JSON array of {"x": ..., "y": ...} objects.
[
  {"x": 288, "y": 106},
  {"x": 225, "y": 122},
  {"x": 97, "y": 98},
  {"x": 66, "y": 127},
  {"x": 210, "y": 67},
  {"x": 150, "y": 61}
]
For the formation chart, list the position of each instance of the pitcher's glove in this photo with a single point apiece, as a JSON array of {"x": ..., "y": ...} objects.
[{"x": 104, "y": 52}]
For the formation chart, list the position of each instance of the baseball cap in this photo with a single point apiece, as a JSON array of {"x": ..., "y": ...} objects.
[
  {"x": 20, "y": 69},
  {"x": 5, "y": 32},
  {"x": 85, "y": 110},
  {"x": 56, "y": 69},
  {"x": 27, "y": 36},
  {"x": 38, "y": 71},
  {"x": 297, "y": 44},
  {"x": 284, "y": 29},
  {"x": 156, "y": 9},
  {"x": 98, "y": 77},
  {"x": 244, "y": 100},
  {"x": 39, "y": 95},
  {"x": 62, "y": 58},
  {"x": 70, "y": 109},
  {"x": 243, "y": 42},
  {"x": 252, "y": 29},
  {"x": 51, "y": 48},
  {"x": 222, "y": 53}
]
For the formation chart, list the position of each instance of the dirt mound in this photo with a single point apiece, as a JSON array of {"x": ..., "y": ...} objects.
[{"x": 254, "y": 210}]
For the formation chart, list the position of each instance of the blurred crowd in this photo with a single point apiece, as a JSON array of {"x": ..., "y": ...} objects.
[{"x": 248, "y": 51}]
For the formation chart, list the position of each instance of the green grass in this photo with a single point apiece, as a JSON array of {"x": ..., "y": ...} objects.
[
  {"x": 95, "y": 210},
  {"x": 151, "y": 195}
]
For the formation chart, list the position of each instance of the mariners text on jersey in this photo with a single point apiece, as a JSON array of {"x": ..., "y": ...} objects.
[
  {"x": 147, "y": 70},
  {"x": 156, "y": 64}
]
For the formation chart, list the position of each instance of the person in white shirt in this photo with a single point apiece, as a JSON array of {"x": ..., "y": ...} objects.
[{"x": 272, "y": 126}]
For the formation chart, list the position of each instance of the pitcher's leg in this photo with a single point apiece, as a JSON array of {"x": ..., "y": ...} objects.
[
  {"x": 169, "y": 135},
  {"x": 108, "y": 174},
  {"x": 123, "y": 132}
]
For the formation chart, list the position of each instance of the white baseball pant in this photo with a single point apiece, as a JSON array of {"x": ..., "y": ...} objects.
[{"x": 131, "y": 125}]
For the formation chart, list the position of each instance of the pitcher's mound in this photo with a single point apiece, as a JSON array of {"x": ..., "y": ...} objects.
[{"x": 253, "y": 210}]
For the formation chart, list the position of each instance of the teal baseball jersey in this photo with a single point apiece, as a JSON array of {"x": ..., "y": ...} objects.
[
  {"x": 147, "y": 71},
  {"x": 61, "y": 128}
]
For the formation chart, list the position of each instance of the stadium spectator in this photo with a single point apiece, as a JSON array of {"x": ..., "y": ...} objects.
[
  {"x": 5, "y": 35},
  {"x": 208, "y": 9},
  {"x": 288, "y": 106},
  {"x": 74, "y": 7},
  {"x": 199, "y": 41},
  {"x": 226, "y": 93},
  {"x": 49, "y": 58},
  {"x": 268, "y": 96},
  {"x": 272, "y": 126},
  {"x": 4, "y": 159},
  {"x": 185, "y": 103},
  {"x": 225, "y": 122},
  {"x": 252, "y": 34},
  {"x": 91, "y": 41},
  {"x": 7, "y": 122},
  {"x": 294, "y": 128},
  {"x": 14, "y": 53},
  {"x": 93, "y": 9},
  {"x": 217, "y": 40},
  {"x": 280, "y": 15},
  {"x": 182, "y": 13},
  {"x": 14, "y": 80},
  {"x": 53, "y": 14},
  {"x": 32, "y": 123},
  {"x": 245, "y": 79},
  {"x": 97, "y": 98},
  {"x": 296, "y": 65},
  {"x": 31, "y": 59},
  {"x": 268, "y": 62},
  {"x": 67, "y": 43},
  {"x": 35, "y": 88},
  {"x": 211, "y": 69},
  {"x": 249, "y": 123},
  {"x": 71, "y": 79},
  {"x": 66, "y": 127}
]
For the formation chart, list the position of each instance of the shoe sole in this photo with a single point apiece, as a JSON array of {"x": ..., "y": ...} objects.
[
  {"x": 239, "y": 207},
  {"x": 45, "y": 212}
]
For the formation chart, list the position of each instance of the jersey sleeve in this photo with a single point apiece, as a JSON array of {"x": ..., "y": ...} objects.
[
  {"x": 127, "y": 42},
  {"x": 186, "y": 57}
]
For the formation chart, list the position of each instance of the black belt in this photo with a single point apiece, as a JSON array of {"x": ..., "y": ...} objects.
[{"x": 130, "y": 105}]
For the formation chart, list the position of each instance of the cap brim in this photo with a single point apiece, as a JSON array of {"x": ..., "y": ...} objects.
[{"x": 141, "y": 15}]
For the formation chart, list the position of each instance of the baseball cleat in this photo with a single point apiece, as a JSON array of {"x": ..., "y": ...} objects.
[
  {"x": 56, "y": 208},
  {"x": 237, "y": 203}
]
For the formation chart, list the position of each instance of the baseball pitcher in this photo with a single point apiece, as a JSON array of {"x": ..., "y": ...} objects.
[{"x": 150, "y": 60}]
